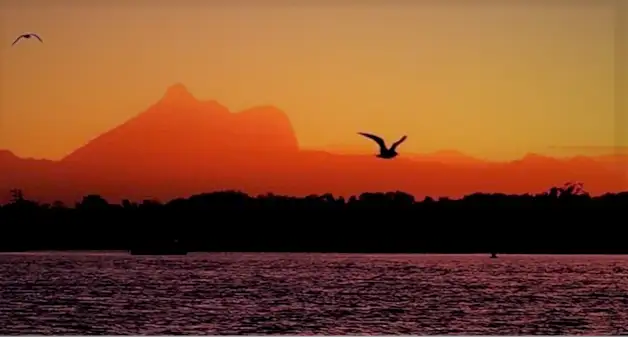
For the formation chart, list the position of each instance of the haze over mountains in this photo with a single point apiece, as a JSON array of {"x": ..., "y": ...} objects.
[{"x": 181, "y": 146}]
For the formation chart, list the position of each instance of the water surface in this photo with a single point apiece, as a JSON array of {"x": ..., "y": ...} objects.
[{"x": 234, "y": 293}]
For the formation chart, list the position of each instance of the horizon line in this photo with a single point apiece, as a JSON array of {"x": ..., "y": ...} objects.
[{"x": 351, "y": 150}]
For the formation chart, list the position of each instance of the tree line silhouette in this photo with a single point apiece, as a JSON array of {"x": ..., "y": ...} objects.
[{"x": 563, "y": 220}]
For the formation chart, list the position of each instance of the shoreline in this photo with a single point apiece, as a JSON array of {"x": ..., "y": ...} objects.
[{"x": 479, "y": 254}]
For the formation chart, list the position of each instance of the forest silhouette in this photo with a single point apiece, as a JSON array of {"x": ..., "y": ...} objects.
[{"x": 563, "y": 220}]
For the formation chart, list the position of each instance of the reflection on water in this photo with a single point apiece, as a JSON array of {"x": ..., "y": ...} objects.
[{"x": 109, "y": 293}]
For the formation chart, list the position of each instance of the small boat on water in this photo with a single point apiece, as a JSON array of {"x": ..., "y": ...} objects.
[
  {"x": 155, "y": 248},
  {"x": 157, "y": 252}
]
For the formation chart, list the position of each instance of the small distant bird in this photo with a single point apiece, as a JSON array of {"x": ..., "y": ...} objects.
[
  {"x": 27, "y": 36},
  {"x": 384, "y": 152}
]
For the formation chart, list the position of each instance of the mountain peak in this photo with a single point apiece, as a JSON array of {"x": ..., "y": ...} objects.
[{"x": 177, "y": 93}]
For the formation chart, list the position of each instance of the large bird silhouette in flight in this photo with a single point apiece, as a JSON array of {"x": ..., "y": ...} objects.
[
  {"x": 384, "y": 152},
  {"x": 27, "y": 36}
]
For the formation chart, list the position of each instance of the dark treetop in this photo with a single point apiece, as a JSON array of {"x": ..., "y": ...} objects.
[{"x": 562, "y": 220}]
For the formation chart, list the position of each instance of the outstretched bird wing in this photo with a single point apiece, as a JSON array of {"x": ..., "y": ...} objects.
[
  {"x": 377, "y": 139},
  {"x": 38, "y": 38},
  {"x": 395, "y": 144},
  {"x": 18, "y": 38}
]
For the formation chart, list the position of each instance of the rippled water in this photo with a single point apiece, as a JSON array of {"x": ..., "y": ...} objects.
[{"x": 111, "y": 293}]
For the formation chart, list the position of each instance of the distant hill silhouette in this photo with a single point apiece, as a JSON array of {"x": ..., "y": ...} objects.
[
  {"x": 26, "y": 173},
  {"x": 450, "y": 157},
  {"x": 181, "y": 146}
]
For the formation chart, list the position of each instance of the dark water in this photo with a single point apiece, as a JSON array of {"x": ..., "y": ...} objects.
[{"x": 109, "y": 293}]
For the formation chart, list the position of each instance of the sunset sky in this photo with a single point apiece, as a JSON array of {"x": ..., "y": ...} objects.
[{"x": 494, "y": 79}]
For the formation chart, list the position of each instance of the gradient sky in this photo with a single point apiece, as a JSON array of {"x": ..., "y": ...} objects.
[{"x": 493, "y": 79}]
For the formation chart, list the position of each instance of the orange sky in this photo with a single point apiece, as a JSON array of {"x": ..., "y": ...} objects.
[{"x": 492, "y": 80}]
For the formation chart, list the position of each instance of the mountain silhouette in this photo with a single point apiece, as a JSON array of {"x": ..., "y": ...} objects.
[
  {"x": 181, "y": 146},
  {"x": 179, "y": 133}
]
